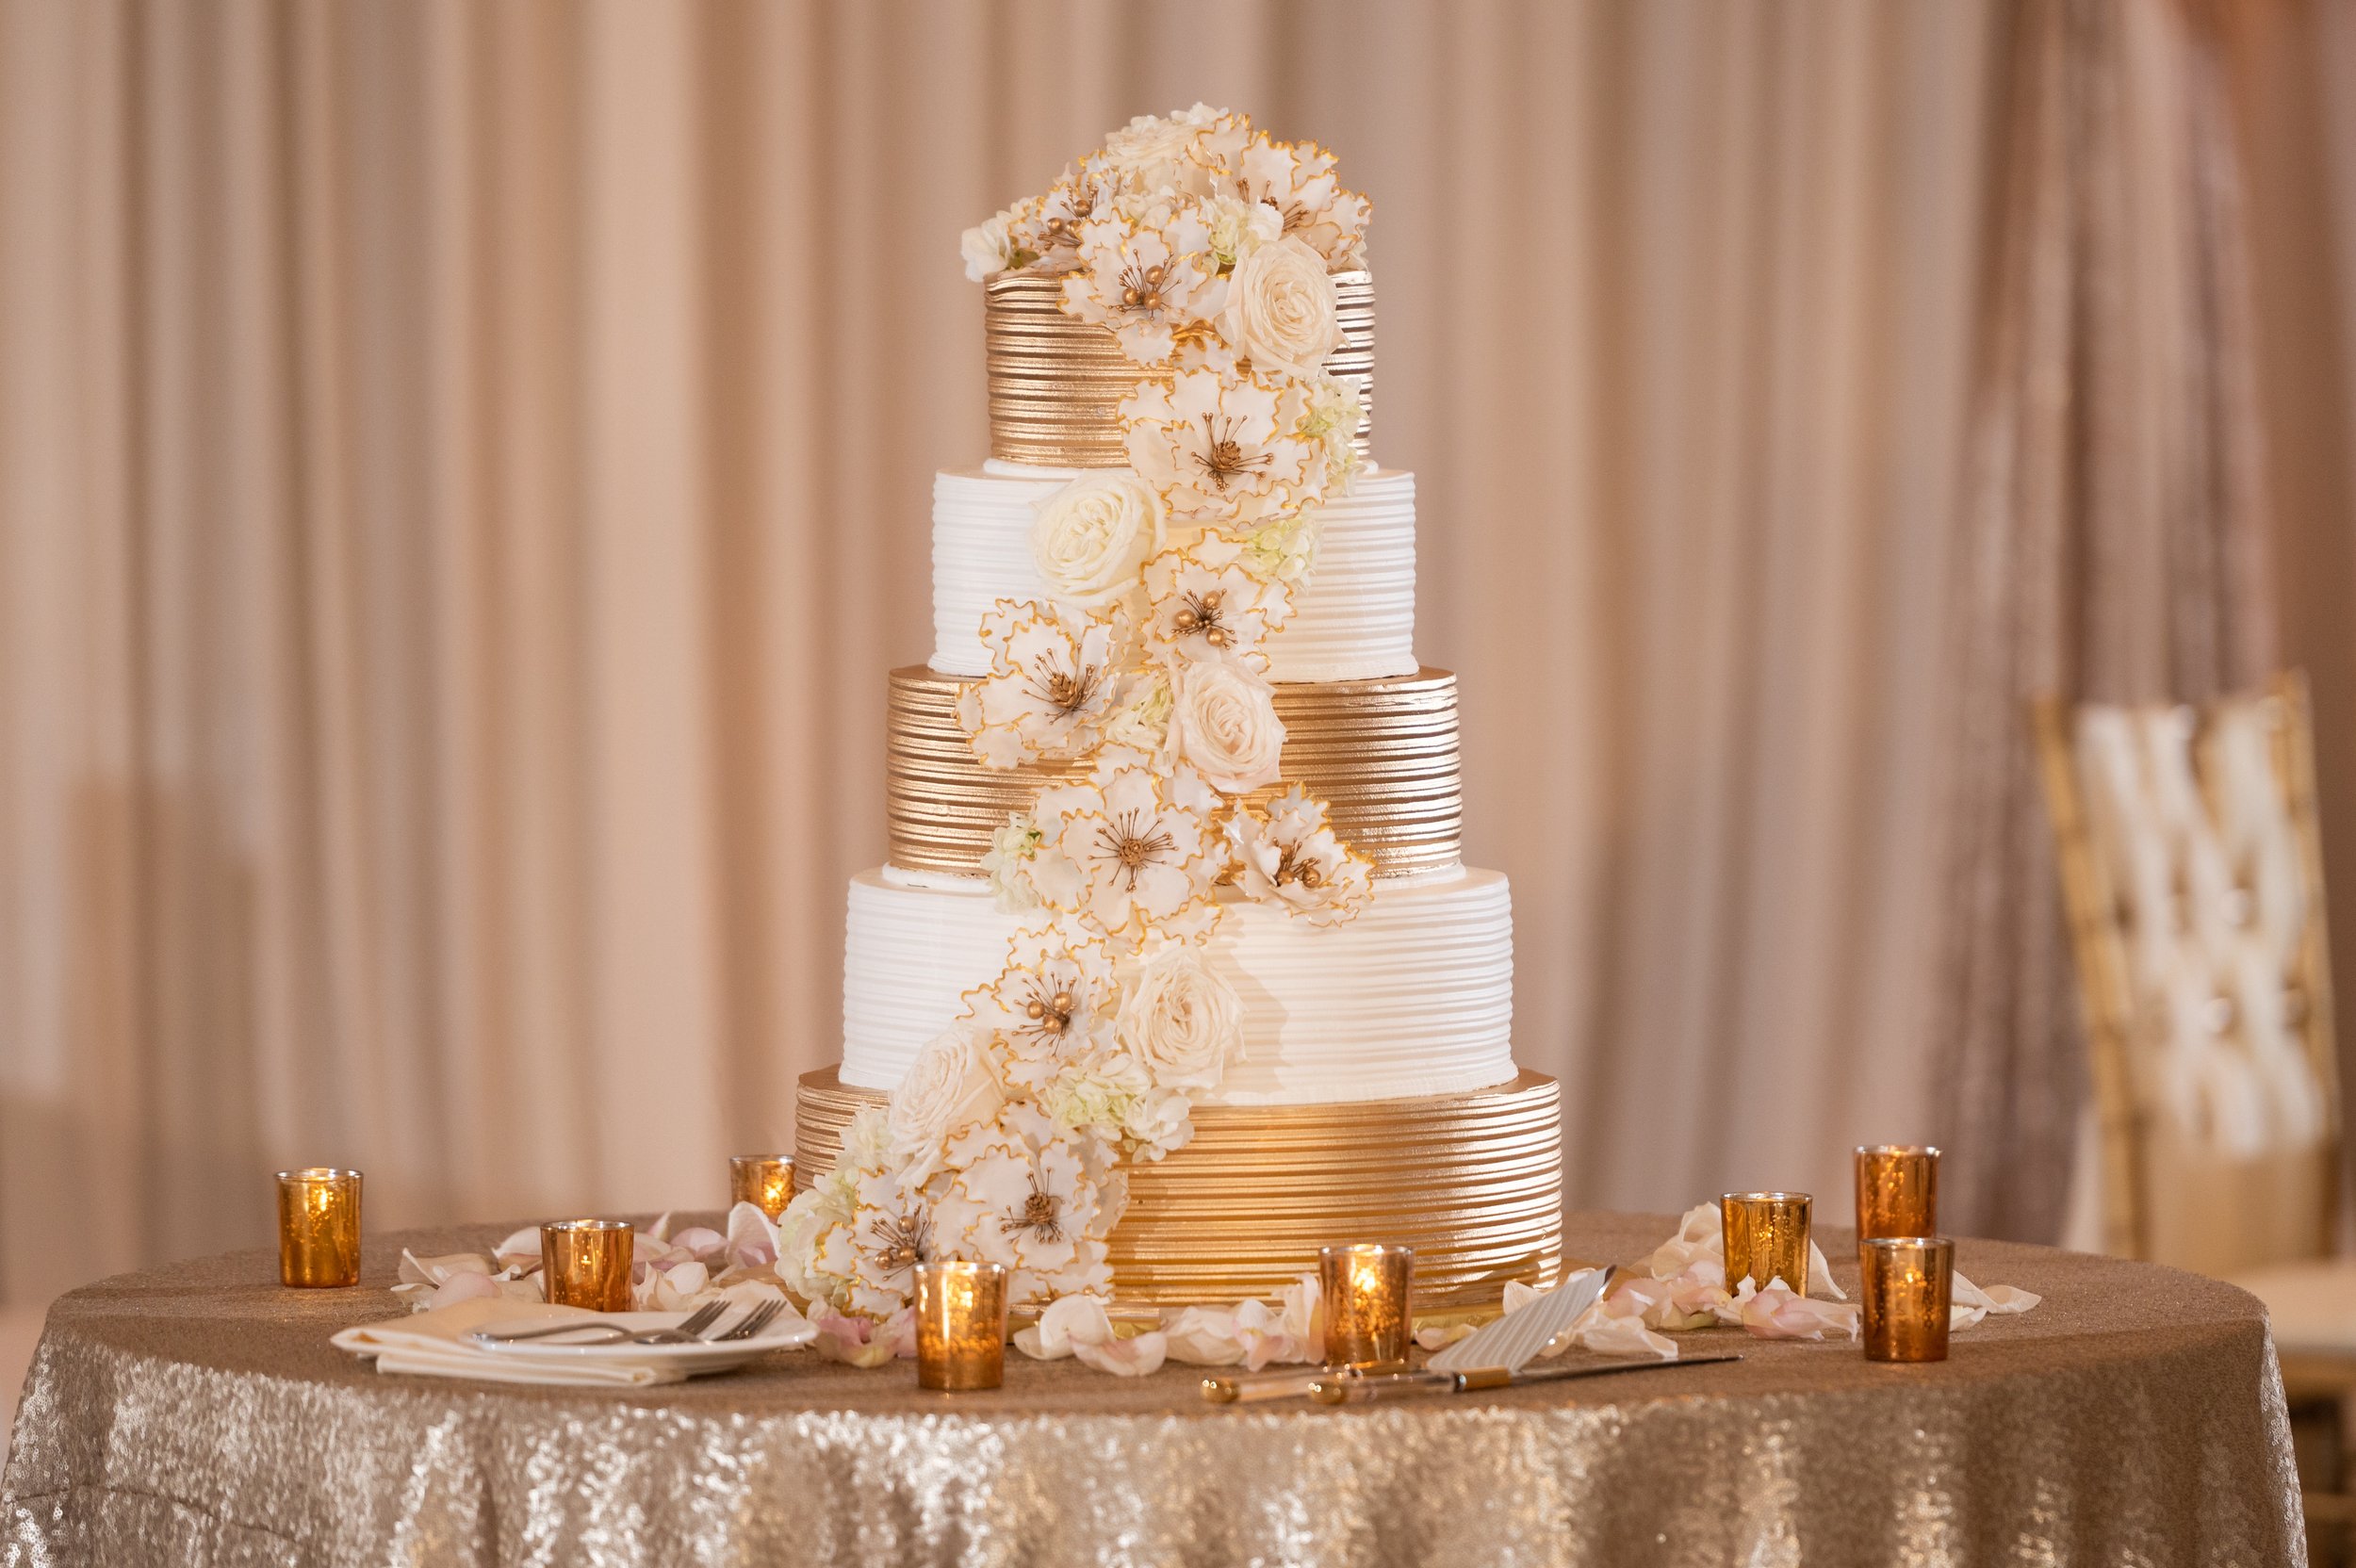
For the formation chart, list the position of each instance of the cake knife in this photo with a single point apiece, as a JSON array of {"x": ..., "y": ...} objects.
[{"x": 1350, "y": 1388}]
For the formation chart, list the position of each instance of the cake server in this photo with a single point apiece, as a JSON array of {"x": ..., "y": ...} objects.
[
  {"x": 1514, "y": 1340},
  {"x": 1350, "y": 1388}
]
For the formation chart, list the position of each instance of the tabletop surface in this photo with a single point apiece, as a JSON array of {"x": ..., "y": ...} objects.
[{"x": 2134, "y": 1415}]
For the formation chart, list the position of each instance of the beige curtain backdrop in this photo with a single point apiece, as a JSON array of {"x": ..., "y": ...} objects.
[{"x": 465, "y": 470}]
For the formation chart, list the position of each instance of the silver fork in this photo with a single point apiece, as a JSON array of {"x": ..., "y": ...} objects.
[
  {"x": 689, "y": 1331},
  {"x": 757, "y": 1319}
]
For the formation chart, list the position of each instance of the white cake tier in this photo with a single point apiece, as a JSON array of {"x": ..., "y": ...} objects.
[
  {"x": 1355, "y": 621},
  {"x": 1415, "y": 996}
]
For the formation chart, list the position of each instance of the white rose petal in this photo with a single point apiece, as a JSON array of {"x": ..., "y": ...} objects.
[
  {"x": 1182, "y": 1022},
  {"x": 1283, "y": 313},
  {"x": 949, "y": 1085},
  {"x": 1091, "y": 538},
  {"x": 1224, "y": 723}
]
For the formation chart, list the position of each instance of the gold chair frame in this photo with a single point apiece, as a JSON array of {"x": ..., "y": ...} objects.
[{"x": 2099, "y": 940}]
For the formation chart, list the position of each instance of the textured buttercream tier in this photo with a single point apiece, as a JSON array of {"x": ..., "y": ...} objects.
[
  {"x": 1472, "y": 1182},
  {"x": 1382, "y": 754},
  {"x": 1413, "y": 997},
  {"x": 1354, "y": 620},
  {"x": 1057, "y": 383}
]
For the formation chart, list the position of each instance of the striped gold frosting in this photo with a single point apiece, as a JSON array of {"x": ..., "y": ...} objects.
[
  {"x": 1472, "y": 1182},
  {"x": 1382, "y": 754},
  {"x": 1057, "y": 383}
]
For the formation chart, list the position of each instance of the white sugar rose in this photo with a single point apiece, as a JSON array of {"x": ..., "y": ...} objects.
[
  {"x": 1282, "y": 311},
  {"x": 1223, "y": 721},
  {"x": 1091, "y": 538},
  {"x": 1181, "y": 1021},
  {"x": 949, "y": 1085}
]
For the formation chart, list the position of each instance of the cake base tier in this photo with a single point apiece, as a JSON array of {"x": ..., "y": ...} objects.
[{"x": 1472, "y": 1182}]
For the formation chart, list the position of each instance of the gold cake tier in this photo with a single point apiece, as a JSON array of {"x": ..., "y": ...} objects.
[
  {"x": 1382, "y": 754},
  {"x": 1472, "y": 1182},
  {"x": 1057, "y": 383}
]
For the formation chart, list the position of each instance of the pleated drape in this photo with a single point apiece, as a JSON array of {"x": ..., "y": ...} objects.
[
  {"x": 2113, "y": 542},
  {"x": 465, "y": 470}
]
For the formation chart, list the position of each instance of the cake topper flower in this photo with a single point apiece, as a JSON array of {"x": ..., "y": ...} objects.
[
  {"x": 1289, "y": 858},
  {"x": 1299, "y": 182},
  {"x": 1148, "y": 279}
]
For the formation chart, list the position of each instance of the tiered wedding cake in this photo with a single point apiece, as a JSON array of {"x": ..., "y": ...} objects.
[{"x": 1173, "y": 974}]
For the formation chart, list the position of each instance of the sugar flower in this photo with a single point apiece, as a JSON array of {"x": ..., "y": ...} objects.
[
  {"x": 1291, "y": 859},
  {"x": 1050, "y": 687},
  {"x": 1211, "y": 443},
  {"x": 1054, "y": 1002},
  {"x": 1129, "y": 852},
  {"x": 1299, "y": 182},
  {"x": 1181, "y": 152},
  {"x": 1147, "y": 281},
  {"x": 1021, "y": 1191},
  {"x": 1205, "y": 603}
]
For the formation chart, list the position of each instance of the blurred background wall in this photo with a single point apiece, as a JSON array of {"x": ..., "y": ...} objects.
[{"x": 465, "y": 470}]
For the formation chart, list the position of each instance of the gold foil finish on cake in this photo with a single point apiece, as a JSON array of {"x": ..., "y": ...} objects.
[
  {"x": 1057, "y": 383},
  {"x": 1472, "y": 1182},
  {"x": 1382, "y": 754}
]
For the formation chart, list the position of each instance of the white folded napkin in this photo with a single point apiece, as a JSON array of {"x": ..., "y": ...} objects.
[{"x": 434, "y": 1344}]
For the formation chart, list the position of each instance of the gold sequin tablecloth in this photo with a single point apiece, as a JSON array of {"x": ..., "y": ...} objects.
[{"x": 195, "y": 1415}]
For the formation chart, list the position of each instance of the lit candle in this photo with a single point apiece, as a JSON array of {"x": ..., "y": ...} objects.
[
  {"x": 1368, "y": 1323},
  {"x": 1909, "y": 1283},
  {"x": 764, "y": 1180},
  {"x": 1766, "y": 1238},
  {"x": 587, "y": 1263},
  {"x": 318, "y": 1226},
  {"x": 1897, "y": 1191},
  {"x": 961, "y": 1325}
]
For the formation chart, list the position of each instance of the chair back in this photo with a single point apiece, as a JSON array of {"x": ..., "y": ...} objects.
[{"x": 2193, "y": 878}]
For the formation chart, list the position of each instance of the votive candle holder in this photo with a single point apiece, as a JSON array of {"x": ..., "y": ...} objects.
[
  {"x": 1897, "y": 1191},
  {"x": 1766, "y": 1238},
  {"x": 764, "y": 1180},
  {"x": 318, "y": 1228},
  {"x": 961, "y": 1325},
  {"x": 587, "y": 1263},
  {"x": 1908, "y": 1288},
  {"x": 1368, "y": 1321}
]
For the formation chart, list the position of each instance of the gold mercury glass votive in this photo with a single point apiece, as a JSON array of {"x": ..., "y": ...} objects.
[
  {"x": 764, "y": 1180},
  {"x": 1369, "y": 1324},
  {"x": 961, "y": 1325},
  {"x": 1766, "y": 1236},
  {"x": 1909, "y": 1282},
  {"x": 1897, "y": 1191},
  {"x": 318, "y": 1226},
  {"x": 587, "y": 1263}
]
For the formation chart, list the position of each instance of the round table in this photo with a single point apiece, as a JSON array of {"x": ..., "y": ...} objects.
[{"x": 195, "y": 1414}]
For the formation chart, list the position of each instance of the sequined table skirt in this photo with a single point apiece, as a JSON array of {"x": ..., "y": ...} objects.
[{"x": 195, "y": 1415}]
